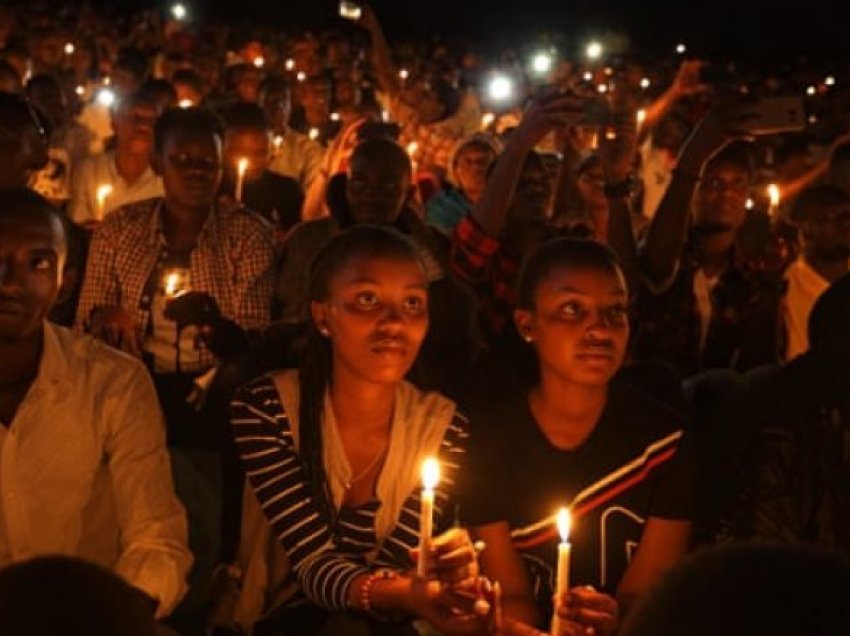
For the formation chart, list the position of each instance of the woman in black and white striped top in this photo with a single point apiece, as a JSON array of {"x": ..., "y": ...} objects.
[{"x": 333, "y": 451}]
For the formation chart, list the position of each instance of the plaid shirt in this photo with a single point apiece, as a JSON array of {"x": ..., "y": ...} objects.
[
  {"x": 232, "y": 262},
  {"x": 489, "y": 268}
]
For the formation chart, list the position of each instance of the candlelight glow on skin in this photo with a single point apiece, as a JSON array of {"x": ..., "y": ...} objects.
[
  {"x": 430, "y": 479},
  {"x": 563, "y": 522}
]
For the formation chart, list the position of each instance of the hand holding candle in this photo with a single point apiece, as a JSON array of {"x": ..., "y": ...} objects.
[{"x": 430, "y": 479}]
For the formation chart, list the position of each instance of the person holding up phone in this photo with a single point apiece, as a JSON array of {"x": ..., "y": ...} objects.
[
  {"x": 433, "y": 113},
  {"x": 701, "y": 305}
]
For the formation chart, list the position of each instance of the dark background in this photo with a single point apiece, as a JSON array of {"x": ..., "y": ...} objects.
[{"x": 758, "y": 30}]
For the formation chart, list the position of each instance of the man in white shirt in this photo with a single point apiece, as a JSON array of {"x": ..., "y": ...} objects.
[
  {"x": 293, "y": 154},
  {"x": 121, "y": 175},
  {"x": 84, "y": 469},
  {"x": 823, "y": 213}
]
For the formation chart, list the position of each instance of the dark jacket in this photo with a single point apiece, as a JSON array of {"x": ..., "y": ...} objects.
[{"x": 794, "y": 484}]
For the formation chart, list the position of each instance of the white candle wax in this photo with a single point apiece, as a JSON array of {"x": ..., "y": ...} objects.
[
  {"x": 430, "y": 477},
  {"x": 241, "y": 168},
  {"x": 103, "y": 192},
  {"x": 562, "y": 577}
]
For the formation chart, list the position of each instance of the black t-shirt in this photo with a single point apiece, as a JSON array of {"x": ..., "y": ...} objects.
[
  {"x": 629, "y": 468},
  {"x": 276, "y": 197}
]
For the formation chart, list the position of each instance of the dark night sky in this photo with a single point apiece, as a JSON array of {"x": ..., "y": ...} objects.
[{"x": 752, "y": 28}]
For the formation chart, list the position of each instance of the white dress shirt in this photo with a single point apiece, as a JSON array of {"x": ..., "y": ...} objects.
[
  {"x": 84, "y": 470},
  {"x": 100, "y": 170}
]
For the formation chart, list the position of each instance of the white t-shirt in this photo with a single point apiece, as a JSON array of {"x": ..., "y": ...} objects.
[
  {"x": 101, "y": 170},
  {"x": 703, "y": 286}
]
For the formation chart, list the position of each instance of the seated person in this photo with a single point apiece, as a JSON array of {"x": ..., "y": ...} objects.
[
  {"x": 247, "y": 136},
  {"x": 80, "y": 415},
  {"x": 578, "y": 438},
  {"x": 754, "y": 590},
  {"x": 793, "y": 480},
  {"x": 83, "y": 599},
  {"x": 333, "y": 451},
  {"x": 468, "y": 169}
]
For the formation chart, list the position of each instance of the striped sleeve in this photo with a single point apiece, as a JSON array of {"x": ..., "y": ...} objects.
[
  {"x": 394, "y": 552},
  {"x": 279, "y": 480}
]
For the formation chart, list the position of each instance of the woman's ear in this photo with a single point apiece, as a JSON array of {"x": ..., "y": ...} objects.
[
  {"x": 319, "y": 314},
  {"x": 524, "y": 326}
]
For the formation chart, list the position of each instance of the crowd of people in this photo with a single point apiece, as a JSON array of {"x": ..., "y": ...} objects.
[{"x": 250, "y": 281}]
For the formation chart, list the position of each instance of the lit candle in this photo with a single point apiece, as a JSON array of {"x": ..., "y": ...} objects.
[
  {"x": 335, "y": 117},
  {"x": 430, "y": 478},
  {"x": 775, "y": 196},
  {"x": 259, "y": 62},
  {"x": 562, "y": 579},
  {"x": 69, "y": 48},
  {"x": 103, "y": 191},
  {"x": 301, "y": 77},
  {"x": 278, "y": 143},
  {"x": 185, "y": 103},
  {"x": 487, "y": 120},
  {"x": 313, "y": 134},
  {"x": 412, "y": 149},
  {"x": 172, "y": 284},
  {"x": 241, "y": 168},
  {"x": 290, "y": 64},
  {"x": 641, "y": 117},
  {"x": 645, "y": 83}
]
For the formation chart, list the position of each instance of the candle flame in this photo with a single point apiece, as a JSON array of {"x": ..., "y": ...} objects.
[
  {"x": 171, "y": 281},
  {"x": 313, "y": 134},
  {"x": 278, "y": 141},
  {"x": 487, "y": 120},
  {"x": 301, "y": 77},
  {"x": 403, "y": 74},
  {"x": 430, "y": 473},
  {"x": 774, "y": 193},
  {"x": 103, "y": 191},
  {"x": 290, "y": 64},
  {"x": 641, "y": 117},
  {"x": 412, "y": 148},
  {"x": 259, "y": 62},
  {"x": 564, "y": 522},
  {"x": 185, "y": 103},
  {"x": 242, "y": 166}
]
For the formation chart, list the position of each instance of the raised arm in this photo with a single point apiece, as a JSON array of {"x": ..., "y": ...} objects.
[
  {"x": 382, "y": 59},
  {"x": 685, "y": 84},
  {"x": 666, "y": 235}
]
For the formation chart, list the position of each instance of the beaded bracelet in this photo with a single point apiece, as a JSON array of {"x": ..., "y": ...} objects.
[{"x": 366, "y": 590}]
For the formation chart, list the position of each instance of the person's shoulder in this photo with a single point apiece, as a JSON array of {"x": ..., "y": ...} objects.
[
  {"x": 240, "y": 220},
  {"x": 137, "y": 213},
  {"x": 647, "y": 415},
  {"x": 282, "y": 182},
  {"x": 92, "y": 362}
]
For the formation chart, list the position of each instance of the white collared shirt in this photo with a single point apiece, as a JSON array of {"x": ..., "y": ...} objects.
[
  {"x": 84, "y": 470},
  {"x": 99, "y": 170}
]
